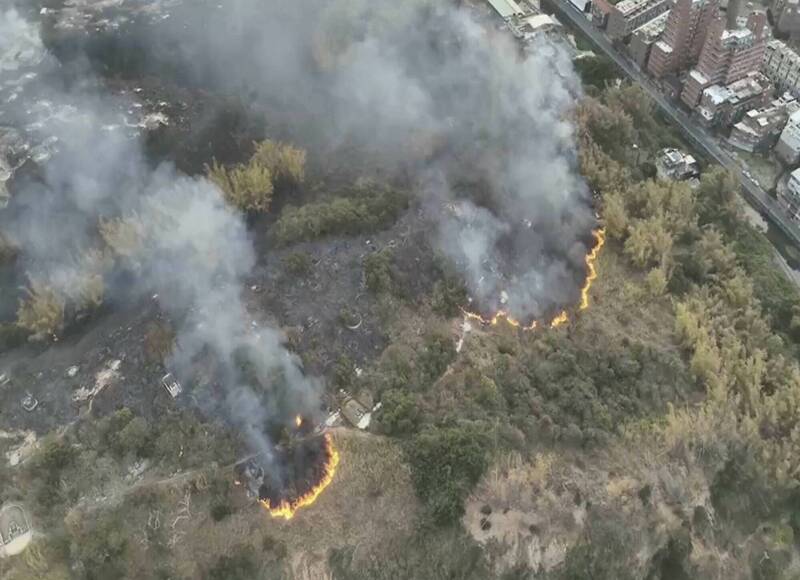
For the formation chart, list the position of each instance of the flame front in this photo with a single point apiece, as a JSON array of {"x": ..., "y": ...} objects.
[
  {"x": 298, "y": 421},
  {"x": 591, "y": 258},
  {"x": 286, "y": 509},
  {"x": 562, "y": 317}
]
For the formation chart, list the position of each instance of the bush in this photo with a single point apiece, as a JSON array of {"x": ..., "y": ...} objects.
[
  {"x": 367, "y": 210},
  {"x": 125, "y": 236},
  {"x": 448, "y": 295},
  {"x": 42, "y": 311},
  {"x": 399, "y": 414},
  {"x": 298, "y": 263},
  {"x": 241, "y": 565},
  {"x": 378, "y": 271},
  {"x": 245, "y": 187},
  {"x": 446, "y": 463},
  {"x": 284, "y": 161}
]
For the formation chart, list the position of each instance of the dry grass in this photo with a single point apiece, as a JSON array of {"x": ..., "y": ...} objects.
[
  {"x": 370, "y": 500},
  {"x": 245, "y": 187}
]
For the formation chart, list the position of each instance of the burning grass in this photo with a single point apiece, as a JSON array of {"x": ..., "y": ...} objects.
[
  {"x": 562, "y": 317},
  {"x": 315, "y": 476}
]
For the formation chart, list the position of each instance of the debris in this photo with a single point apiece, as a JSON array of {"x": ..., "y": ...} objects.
[
  {"x": 171, "y": 385},
  {"x": 72, "y": 371},
  {"x": 29, "y": 402},
  {"x": 5, "y": 378}
]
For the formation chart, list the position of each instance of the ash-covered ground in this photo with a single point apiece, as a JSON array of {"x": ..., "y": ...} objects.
[{"x": 107, "y": 360}]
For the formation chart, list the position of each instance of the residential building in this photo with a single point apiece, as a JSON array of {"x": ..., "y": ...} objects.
[
  {"x": 727, "y": 56},
  {"x": 676, "y": 165},
  {"x": 788, "y": 147},
  {"x": 723, "y": 105},
  {"x": 506, "y": 9},
  {"x": 685, "y": 32},
  {"x": 644, "y": 37},
  {"x": 628, "y": 15},
  {"x": 760, "y": 128},
  {"x": 600, "y": 11},
  {"x": 791, "y": 198},
  {"x": 782, "y": 66}
]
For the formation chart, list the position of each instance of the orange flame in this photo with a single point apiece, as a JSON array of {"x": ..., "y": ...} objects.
[
  {"x": 562, "y": 317},
  {"x": 298, "y": 421},
  {"x": 591, "y": 258},
  {"x": 287, "y": 509}
]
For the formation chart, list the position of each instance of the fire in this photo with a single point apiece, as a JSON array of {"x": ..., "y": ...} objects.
[
  {"x": 562, "y": 317},
  {"x": 591, "y": 258},
  {"x": 287, "y": 509},
  {"x": 298, "y": 421}
]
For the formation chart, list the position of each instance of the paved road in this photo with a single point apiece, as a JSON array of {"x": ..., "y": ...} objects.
[{"x": 756, "y": 196}]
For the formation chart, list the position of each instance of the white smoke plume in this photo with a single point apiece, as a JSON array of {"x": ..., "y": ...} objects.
[
  {"x": 422, "y": 89},
  {"x": 194, "y": 255}
]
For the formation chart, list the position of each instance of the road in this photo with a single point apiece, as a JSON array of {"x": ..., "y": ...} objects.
[{"x": 756, "y": 196}]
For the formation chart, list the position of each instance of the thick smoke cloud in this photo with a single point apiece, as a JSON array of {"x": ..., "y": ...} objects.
[
  {"x": 421, "y": 89},
  {"x": 193, "y": 251},
  {"x": 417, "y": 90}
]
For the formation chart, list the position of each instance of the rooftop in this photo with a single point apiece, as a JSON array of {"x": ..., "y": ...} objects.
[{"x": 506, "y": 8}]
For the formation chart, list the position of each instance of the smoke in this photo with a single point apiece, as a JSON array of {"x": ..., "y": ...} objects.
[
  {"x": 421, "y": 90},
  {"x": 193, "y": 252}
]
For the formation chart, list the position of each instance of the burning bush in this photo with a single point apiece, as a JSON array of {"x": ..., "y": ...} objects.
[{"x": 42, "y": 312}]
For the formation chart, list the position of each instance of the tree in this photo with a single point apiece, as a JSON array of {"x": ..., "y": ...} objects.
[
  {"x": 649, "y": 242},
  {"x": 445, "y": 465},
  {"x": 399, "y": 413},
  {"x": 717, "y": 197},
  {"x": 615, "y": 215}
]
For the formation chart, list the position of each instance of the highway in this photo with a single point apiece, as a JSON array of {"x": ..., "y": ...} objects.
[{"x": 756, "y": 196}]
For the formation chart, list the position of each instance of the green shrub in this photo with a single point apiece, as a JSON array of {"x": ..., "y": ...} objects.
[
  {"x": 298, "y": 263},
  {"x": 378, "y": 271},
  {"x": 446, "y": 463},
  {"x": 367, "y": 211},
  {"x": 399, "y": 414}
]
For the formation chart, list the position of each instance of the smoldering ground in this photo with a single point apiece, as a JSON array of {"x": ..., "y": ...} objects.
[
  {"x": 420, "y": 90},
  {"x": 184, "y": 246}
]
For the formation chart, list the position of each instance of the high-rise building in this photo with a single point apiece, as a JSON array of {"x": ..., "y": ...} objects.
[
  {"x": 727, "y": 56},
  {"x": 684, "y": 34},
  {"x": 782, "y": 66},
  {"x": 628, "y": 15}
]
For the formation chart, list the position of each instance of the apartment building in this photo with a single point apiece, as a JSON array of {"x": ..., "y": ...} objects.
[
  {"x": 727, "y": 56},
  {"x": 645, "y": 37},
  {"x": 684, "y": 34},
  {"x": 628, "y": 15},
  {"x": 782, "y": 66}
]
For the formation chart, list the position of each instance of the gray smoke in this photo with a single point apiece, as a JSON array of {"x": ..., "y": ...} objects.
[
  {"x": 194, "y": 251},
  {"x": 421, "y": 89},
  {"x": 416, "y": 89}
]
